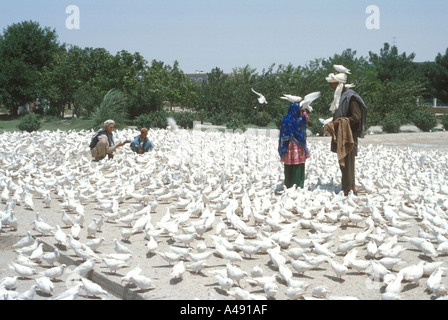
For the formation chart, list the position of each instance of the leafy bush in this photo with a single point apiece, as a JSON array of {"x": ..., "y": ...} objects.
[
  {"x": 262, "y": 119},
  {"x": 155, "y": 119},
  {"x": 184, "y": 119},
  {"x": 236, "y": 124},
  {"x": 373, "y": 119},
  {"x": 392, "y": 123},
  {"x": 445, "y": 121},
  {"x": 113, "y": 107},
  {"x": 29, "y": 123},
  {"x": 314, "y": 125},
  {"x": 425, "y": 119}
]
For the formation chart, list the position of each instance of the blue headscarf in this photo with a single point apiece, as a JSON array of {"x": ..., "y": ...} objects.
[{"x": 293, "y": 128}]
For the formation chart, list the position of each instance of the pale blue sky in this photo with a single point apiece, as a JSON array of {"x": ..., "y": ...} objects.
[{"x": 203, "y": 34}]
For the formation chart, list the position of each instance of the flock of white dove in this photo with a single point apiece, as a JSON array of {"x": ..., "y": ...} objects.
[{"x": 204, "y": 216}]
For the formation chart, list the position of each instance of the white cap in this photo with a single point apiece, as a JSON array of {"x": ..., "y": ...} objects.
[{"x": 108, "y": 123}]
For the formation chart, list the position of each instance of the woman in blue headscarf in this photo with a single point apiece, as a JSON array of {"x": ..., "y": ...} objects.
[{"x": 292, "y": 148}]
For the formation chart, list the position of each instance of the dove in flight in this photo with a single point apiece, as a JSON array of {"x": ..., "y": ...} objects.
[
  {"x": 325, "y": 121},
  {"x": 261, "y": 98},
  {"x": 172, "y": 124},
  {"x": 306, "y": 103}
]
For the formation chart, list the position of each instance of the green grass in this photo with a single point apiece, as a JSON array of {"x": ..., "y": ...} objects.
[{"x": 8, "y": 123}]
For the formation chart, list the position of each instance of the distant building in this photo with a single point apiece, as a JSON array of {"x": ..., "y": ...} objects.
[{"x": 198, "y": 77}]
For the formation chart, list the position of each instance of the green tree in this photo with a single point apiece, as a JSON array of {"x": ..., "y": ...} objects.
[
  {"x": 214, "y": 95},
  {"x": 437, "y": 75},
  {"x": 26, "y": 50},
  {"x": 393, "y": 66}
]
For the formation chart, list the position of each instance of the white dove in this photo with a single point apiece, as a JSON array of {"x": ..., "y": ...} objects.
[
  {"x": 8, "y": 283},
  {"x": 94, "y": 244},
  {"x": 142, "y": 281},
  {"x": 338, "y": 268},
  {"x": 170, "y": 257},
  {"x": 225, "y": 283},
  {"x": 45, "y": 285},
  {"x": 70, "y": 294},
  {"x": 359, "y": 264},
  {"x": 152, "y": 244},
  {"x": 325, "y": 121},
  {"x": 178, "y": 270},
  {"x": 197, "y": 266},
  {"x": 66, "y": 219},
  {"x": 306, "y": 103},
  {"x": 93, "y": 289},
  {"x": 320, "y": 249},
  {"x": 54, "y": 272},
  {"x": 60, "y": 236},
  {"x": 114, "y": 264},
  {"x": 261, "y": 98},
  {"x": 434, "y": 279},
  {"x": 28, "y": 294},
  {"x": 295, "y": 293},
  {"x": 301, "y": 266},
  {"x": 291, "y": 98},
  {"x": 25, "y": 241},
  {"x": 413, "y": 273},
  {"x": 320, "y": 291},
  {"x": 84, "y": 268},
  {"x": 172, "y": 124},
  {"x": 271, "y": 289},
  {"x": 128, "y": 276},
  {"x": 341, "y": 69},
  {"x": 75, "y": 230},
  {"x": 393, "y": 289},
  {"x": 119, "y": 248},
  {"x": 92, "y": 228},
  {"x": 428, "y": 249},
  {"x": 235, "y": 273},
  {"x": 42, "y": 227},
  {"x": 51, "y": 257},
  {"x": 22, "y": 271}
]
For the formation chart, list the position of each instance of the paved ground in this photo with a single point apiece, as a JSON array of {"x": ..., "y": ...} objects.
[{"x": 111, "y": 281}]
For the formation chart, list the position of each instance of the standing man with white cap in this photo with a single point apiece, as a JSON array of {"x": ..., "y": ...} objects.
[
  {"x": 102, "y": 143},
  {"x": 349, "y": 119}
]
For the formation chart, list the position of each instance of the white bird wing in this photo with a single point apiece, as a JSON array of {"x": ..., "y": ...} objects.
[
  {"x": 261, "y": 99},
  {"x": 309, "y": 99},
  {"x": 325, "y": 121},
  {"x": 256, "y": 92}
]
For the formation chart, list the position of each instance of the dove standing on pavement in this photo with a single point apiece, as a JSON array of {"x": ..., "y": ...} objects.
[
  {"x": 178, "y": 270},
  {"x": 23, "y": 271},
  {"x": 393, "y": 289},
  {"x": 45, "y": 285},
  {"x": 25, "y": 241},
  {"x": 28, "y": 294},
  {"x": 9, "y": 283},
  {"x": 54, "y": 272},
  {"x": 93, "y": 289},
  {"x": 119, "y": 248},
  {"x": 141, "y": 281},
  {"x": 235, "y": 273}
]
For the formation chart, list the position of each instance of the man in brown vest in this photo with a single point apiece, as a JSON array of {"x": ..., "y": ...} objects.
[{"x": 349, "y": 110}]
